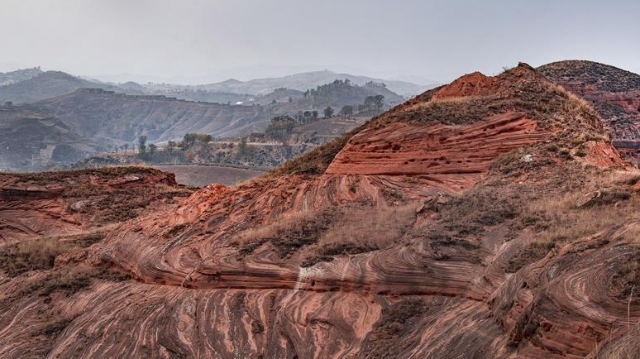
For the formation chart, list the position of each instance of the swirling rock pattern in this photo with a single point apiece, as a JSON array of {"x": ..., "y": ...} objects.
[{"x": 67, "y": 203}]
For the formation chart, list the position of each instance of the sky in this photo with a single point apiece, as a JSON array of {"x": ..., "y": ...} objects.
[{"x": 200, "y": 41}]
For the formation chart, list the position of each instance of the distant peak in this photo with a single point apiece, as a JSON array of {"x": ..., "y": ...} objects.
[{"x": 231, "y": 82}]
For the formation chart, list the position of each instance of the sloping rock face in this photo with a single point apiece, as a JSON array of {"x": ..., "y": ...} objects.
[
  {"x": 614, "y": 94},
  {"x": 442, "y": 152},
  {"x": 65, "y": 203},
  {"x": 351, "y": 256}
]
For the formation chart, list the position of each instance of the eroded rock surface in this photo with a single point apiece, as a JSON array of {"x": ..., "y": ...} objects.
[{"x": 438, "y": 230}]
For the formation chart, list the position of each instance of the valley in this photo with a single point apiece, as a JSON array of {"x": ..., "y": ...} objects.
[{"x": 105, "y": 117}]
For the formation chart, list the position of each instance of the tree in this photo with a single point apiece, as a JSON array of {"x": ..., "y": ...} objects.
[
  {"x": 190, "y": 139},
  {"x": 242, "y": 147},
  {"x": 142, "y": 144},
  {"x": 171, "y": 145},
  {"x": 152, "y": 150},
  {"x": 328, "y": 112},
  {"x": 378, "y": 102},
  {"x": 307, "y": 116},
  {"x": 347, "y": 110},
  {"x": 126, "y": 147},
  {"x": 280, "y": 127},
  {"x": 374, "y": 102},
  {"x": 314, "y": 115}
]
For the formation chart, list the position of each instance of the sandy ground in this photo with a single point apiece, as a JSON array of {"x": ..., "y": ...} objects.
[{"x": 200, "y": 176}]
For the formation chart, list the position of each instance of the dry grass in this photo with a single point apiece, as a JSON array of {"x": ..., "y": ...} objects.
[
  {"x": 31, "y": 255},
  {"x": 361, "y": 230},
  {"x": 288, "y": 234},
  {"x": 558, "y": 220},
  {"x": 331, "y": 232},
  {"x": 565, "y": 222},
  {"x": 372, "y": 227},
  {"x": 626, "y": 347}
]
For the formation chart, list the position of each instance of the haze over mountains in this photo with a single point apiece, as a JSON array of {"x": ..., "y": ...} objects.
[
  {"x": 308, "y": 80},
  {"x": 95, "y": 120},
  {"x": 100, "y": 116},
  {"x": 33, "y": 84}
]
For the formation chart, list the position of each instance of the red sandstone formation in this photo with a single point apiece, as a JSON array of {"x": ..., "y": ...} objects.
[
  {"x": 474, "y": 84},
  {"x": 493, "y": 259},
  {"x": 73, "y": 202},
  {"x": 443, "y": 153}
]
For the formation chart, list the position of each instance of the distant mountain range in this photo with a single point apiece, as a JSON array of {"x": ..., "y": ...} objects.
[
  {"x": 9, "y": 78},
  {"x": 300, "y": 82},
  {"x": 31, "y": 85},
  {"x": 90, "y": 119}
]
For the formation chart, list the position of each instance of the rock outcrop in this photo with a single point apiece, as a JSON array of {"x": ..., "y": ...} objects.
[{"x": 66, "y": 203}]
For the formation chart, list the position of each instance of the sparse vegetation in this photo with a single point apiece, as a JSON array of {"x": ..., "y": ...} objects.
[
  {"x": 362, "y": 230},
  {"x": 288, "y": 234},
  {"x": 559, "y": 221},
  {"x": 29, "y": 255},
  {"x": 55, "y": 328},
  {"x": 316, "y": 161},
  {"x": 626, "y": 281},
  {"x": 395, "y": 322},
  {"x": 530, "y": 254}
]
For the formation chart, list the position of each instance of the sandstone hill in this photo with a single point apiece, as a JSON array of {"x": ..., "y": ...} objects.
[
  {"x": 489, "y": 218},
  {"x": 614, "y": 94}
]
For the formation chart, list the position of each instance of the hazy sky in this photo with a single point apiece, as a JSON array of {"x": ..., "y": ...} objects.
[{"x": 198, "y": 40}]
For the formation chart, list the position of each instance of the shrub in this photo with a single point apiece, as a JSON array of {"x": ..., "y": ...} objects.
[
  {"x": 534, "y": 252},
  {"x": 37, "y": 254}
]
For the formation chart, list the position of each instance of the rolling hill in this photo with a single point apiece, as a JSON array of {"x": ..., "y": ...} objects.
[
  {"x": 300, "y": 82},
  {"x": 35, "y": 143},
  {"x": 100, "y": 114},
  {"x": 12, "y": 77},
  {"x": 46, "y": 85}
]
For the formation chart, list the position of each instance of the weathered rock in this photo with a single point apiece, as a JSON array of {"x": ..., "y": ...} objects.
[{"x": 200, "y": 291}]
